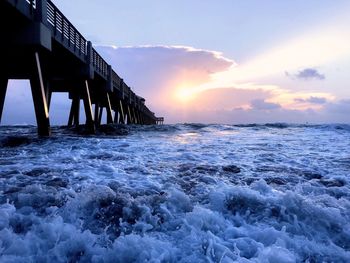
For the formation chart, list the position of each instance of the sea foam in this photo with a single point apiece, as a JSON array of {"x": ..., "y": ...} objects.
[{"x": 176, "y": 193}]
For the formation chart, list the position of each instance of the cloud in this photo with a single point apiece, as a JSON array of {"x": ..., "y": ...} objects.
[
  {"x": 260, "y": 104},
  {"x": 341, "y": 107},
  {"x": 154, "y": 72},
  {"x": 307, "y": 74},
  {"x": 244, "y": 116},
  {"x": 312, "y": 100},
  {"x": 157, "y": 72},
  {"x": 168, "y": 60},
  {"x": 332, "y": 113},
  {"x": 227, "y": 98}
]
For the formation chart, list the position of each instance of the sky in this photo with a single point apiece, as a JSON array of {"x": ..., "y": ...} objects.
[{"x": 224, "y": 61}]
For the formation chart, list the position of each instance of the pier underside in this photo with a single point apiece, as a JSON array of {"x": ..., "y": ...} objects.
[{"x": 45, "y": 48}]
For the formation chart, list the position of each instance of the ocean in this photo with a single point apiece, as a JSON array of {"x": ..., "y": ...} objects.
[{"x": 176, "y": 193}]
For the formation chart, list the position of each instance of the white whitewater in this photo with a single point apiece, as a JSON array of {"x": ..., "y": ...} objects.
[{"x": 182, "y": 193}]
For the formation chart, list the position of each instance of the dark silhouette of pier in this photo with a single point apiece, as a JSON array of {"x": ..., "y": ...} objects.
[{"x": 40, "y": 44}]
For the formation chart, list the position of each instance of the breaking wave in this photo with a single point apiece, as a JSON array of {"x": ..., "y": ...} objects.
[{"x": 176, "y": 193}]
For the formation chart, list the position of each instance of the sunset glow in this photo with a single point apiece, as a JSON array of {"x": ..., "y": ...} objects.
[
  {"x": 318, "y": 47},
  {"x": 295, "y": 64},
  {"x": 184, "y": 94},
  {"x": 175, "y": 131}
]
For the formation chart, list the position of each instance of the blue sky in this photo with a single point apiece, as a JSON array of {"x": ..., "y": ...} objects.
[
  {"x": 239, "y": 29},
  {"x": 221, "y": 61}
]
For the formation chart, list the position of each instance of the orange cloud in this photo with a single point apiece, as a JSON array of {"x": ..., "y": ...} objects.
[
  {"x": 158, "y": 73},
  {"x": 179, "y": 80},
  {"x": 162, "y": 73}
]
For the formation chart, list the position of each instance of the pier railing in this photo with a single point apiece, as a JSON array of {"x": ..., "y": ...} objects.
[
  {"x": 65, "y": 32},
  {"x": 100, "y": 65},
  {"x": 67, "y": 35}
]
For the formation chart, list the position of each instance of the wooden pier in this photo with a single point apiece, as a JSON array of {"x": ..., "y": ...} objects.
[{"x": 40, "y": 44}]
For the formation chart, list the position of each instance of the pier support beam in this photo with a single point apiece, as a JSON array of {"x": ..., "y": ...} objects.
[
  {"x": 48, "y": 95},
  {"x": 74, "y": 112},
  {"x": 121, "y": 113},
  {"x": 99, "y": 106},
  {"x": 39, "y": 99},
  {"x": 142, "y": 118},
  {"x": 3, "y": 89},
  {"x": 97, "y": 114},
  {"x": 129, "y": 115},
  {"x": 136, "y": 119},
  {"x": 90, "y": 124},
  {"x": 100, "y": 116},
  {"x": 109, "y": 110},
  {"x": 116, "y": 117},
  {"x": 139, "y": 117}
]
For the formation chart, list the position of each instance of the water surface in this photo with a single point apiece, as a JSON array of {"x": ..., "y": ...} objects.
[{"x": 176, "y": 193}]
